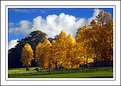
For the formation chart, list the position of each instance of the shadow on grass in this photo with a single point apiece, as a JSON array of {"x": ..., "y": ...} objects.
[{"x": 64, "y": 71}]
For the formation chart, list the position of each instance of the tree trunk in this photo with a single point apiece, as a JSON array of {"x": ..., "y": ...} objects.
[
  {"x": 49, "y": 69},
  {"x": 56, "y": 65},
  {"x": 87, "y": 62}
]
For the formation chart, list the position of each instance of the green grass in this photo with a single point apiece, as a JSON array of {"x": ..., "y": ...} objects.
[{"x": 102, "y": 72}]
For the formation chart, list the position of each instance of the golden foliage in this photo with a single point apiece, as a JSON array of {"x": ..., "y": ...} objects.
[
  {"x": 27, "y": 55},
  {"x": 93, "y": 42},
  {"x": 97, "y": 38},
  {"x": 42, "y": 54}
]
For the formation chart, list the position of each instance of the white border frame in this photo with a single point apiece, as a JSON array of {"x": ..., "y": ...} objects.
[
  {"x": 70, "y": 79},
  {"x": 55, "y": 3}
]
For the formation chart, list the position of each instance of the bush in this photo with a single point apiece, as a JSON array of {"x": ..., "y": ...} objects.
[{"x": 37, "y": 69}]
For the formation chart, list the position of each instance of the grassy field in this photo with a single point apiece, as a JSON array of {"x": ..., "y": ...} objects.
[{"x": 103, "y": 72}]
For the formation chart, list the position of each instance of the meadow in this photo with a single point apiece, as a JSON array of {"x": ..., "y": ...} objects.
[{"x": 100, "y": 72}]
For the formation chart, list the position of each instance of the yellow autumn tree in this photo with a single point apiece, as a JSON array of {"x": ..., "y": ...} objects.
[
  {"x": 72, "y": 61},
  {"x": 103, "y": 28},
  {"x": 84, "y": 44},
  {"x": 59, "y": 49},
  {"x": 38, "y": 54},
  {"x": 42, "y": 54},
  {"x": 46, "y": 54},
  {"x": 27, "y": 55},
  {"x": 96, "y": 39}
]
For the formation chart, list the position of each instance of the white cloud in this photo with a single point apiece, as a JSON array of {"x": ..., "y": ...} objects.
[
  {"x": 12, "y": 43},
  {"x": 96, "y": 12},
  {"x": 23, "y": 27},
  {"x": 11, "y": 24},
  {"x": 53, "y": 24}
]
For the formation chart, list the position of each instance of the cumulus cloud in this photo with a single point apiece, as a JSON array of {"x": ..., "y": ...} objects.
[
  {"x": 52, "y": 25},
  {"x": 23, "y": 27},
  {"x": 96, "y": 12},
  {"x": 12, "y": 43}
]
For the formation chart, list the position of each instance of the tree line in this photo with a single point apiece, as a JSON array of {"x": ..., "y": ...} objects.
[
  {"x": 14, "y": 54},
  {"x": 93, "y": 43}
]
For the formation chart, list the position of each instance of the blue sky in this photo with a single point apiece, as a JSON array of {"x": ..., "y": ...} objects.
[
  {"x": 14, "y": 15},
  {"x": 22, "y": 21}
]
